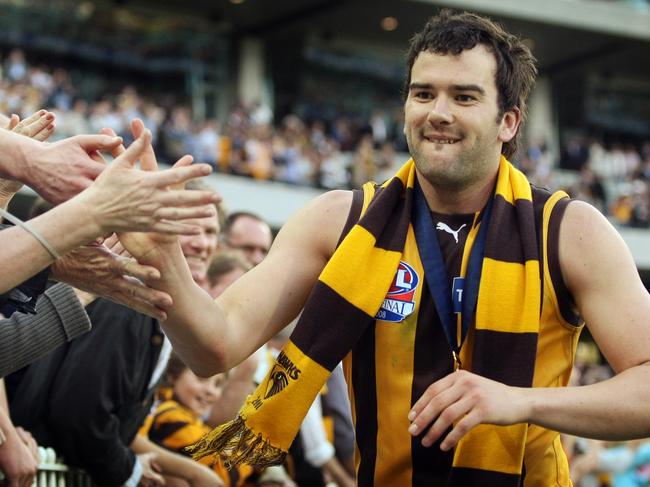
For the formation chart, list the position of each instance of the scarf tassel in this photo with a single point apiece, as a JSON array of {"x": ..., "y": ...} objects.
[{"x": 238, "y": 444}]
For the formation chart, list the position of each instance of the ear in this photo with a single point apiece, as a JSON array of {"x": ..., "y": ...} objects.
[{"x": 509, "y": 125}]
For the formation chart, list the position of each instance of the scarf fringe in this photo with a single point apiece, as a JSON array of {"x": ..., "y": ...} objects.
[{"x": 237, "y": 444}]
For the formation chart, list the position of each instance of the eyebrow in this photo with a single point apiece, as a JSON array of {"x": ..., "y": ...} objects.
[
  {"x": 428, "y": 86},
  {"x": 475, "y": 88}
]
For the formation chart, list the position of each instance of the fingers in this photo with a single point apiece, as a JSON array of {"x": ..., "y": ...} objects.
[
  {"x": 148, "y": 161},
  {"x": 470, "y": 421},
  {"x": 39, "y": 125},
  {"x": 97, "y": 157},
  {"x": 445, "y": 419},
  {"x": 13, "y": 121},
  {"x": 130, "y": 267},
  {"x": 180, "y": 174},
  {"x": 29, "y": 442},
  {"x": 156, "y": 475},
  {"x": 182, "y": 162},
  {"x": 440, "y": 407},
  {"x": 138, "y": 296},
  {"x": 433, "y": 390},
  {"x": 135, "y": 150},
  {"x": 101, "y": 142},
  {"x": 111, "y": 241},
  {"x": 174, "y": 228},
  {"x": 166, "y": 213},
  {"x": 184, "y": 198},
  {"x": 118, "y": 149}
]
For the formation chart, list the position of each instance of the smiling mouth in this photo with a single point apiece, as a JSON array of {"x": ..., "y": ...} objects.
[{"x": 441, "y": 140}]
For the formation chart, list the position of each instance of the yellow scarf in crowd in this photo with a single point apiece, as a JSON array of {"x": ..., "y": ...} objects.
[{"x": 345, "y": 301}]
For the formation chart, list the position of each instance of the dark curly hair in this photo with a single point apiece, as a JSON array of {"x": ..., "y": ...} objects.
[{"x": 452, "y": 33}]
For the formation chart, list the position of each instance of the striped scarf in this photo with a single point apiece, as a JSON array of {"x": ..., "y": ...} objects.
[{"x": 346, "y": 299}]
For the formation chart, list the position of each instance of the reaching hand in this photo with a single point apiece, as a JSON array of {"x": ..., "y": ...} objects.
[
  {"x": 17, "y": 461},
  {"x": 464, "y": 400},
  {"x": 124, "y": 198},
  {"x": 29, "y": 441},
  {"x": 146, "y": 246},
  {"x": 104, "y": 269},
  {"x": 150, "y": 470},
  {"x": 61, "y": 170},
  {"x": 38, "y": 126}
]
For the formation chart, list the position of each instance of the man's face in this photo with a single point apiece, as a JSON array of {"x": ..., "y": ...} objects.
[
  {"x": 451, "y": 121},
  {"x": 251, "y": 237},
  {"x": 199, "y": 249}
]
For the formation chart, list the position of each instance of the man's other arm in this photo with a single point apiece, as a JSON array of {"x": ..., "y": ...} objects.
[
  {"x": 602, "y": 277},
  {"x": 212, "y": 336},
  {"x": 599, "y": 271}
]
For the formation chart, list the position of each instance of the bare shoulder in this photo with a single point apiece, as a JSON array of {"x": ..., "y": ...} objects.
[
  {"x": 600, "y": 272},
  {"x": 320, "y": 223},
  {"x": 589, "y": 244}
]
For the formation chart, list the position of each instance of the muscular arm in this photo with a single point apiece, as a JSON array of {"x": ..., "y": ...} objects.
[
  {"x": 211, "y": 336},
  {"x": 600, "y": 273}
]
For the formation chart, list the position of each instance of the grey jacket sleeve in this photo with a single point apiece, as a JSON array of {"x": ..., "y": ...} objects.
[{"x": 24, "y": 338}]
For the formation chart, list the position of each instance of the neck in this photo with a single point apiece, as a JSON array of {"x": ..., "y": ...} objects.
[{"x": 470, "y": 199}]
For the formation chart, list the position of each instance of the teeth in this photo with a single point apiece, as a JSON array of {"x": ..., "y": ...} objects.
[{"x": 443, "y": 141}]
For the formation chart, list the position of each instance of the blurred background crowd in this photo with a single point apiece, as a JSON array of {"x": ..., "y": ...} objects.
[{"x": 339, "y": 152}]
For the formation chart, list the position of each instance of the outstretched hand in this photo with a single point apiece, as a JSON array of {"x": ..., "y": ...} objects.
[
  {"x": 124, "y": 198},
  {"x": 105, "y": 269},
  {"x": 147, "y": 246},
  {"x": 463, "y": 400},
  {"x": 38, "y": 126}
]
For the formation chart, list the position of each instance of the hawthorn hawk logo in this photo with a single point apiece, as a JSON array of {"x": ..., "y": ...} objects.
[{"x": 277, "y": 382}]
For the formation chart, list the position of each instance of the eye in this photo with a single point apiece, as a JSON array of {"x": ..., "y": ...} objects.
[
  {"x": 464, "y": 98},
  {"x": 423, "y": 95}
]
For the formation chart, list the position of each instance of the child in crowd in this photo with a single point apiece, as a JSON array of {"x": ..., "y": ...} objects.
[
  {"x": 177, "y": 418},
  {"x": 177, "y": 421}
]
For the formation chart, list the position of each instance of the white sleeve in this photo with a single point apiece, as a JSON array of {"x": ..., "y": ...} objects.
[
  {"x": 318, "y": 450},
  {"x": 136, "y": 474}
]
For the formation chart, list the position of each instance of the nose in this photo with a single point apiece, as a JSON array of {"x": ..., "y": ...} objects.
[
  {"x": 200, "y": 241},
  {"x": 440, "y": 111},
  {"x": 257, "y": 256}
]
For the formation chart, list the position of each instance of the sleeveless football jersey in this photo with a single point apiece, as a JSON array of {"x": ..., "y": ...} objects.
[{"x": 406, "y": 351}]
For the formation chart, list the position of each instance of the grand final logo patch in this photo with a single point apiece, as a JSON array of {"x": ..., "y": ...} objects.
[{"x": 400, "y": 300}]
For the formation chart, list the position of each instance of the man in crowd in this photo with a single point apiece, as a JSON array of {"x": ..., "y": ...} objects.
[
  {"x": 468, "y": 365},
  {"x": 249, "y": 234}
]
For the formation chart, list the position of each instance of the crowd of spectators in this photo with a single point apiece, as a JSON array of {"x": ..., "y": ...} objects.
[
  {"x": 331, "y": 154},
  {"x": 615, "y": 178}
]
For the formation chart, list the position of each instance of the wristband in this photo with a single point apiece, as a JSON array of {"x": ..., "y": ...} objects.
[{"x": 18, "y": 222}]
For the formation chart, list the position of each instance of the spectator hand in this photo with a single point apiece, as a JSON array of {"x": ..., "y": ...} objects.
[
  {"x": 104, "y": 269},
  {"x": 17, "y": 461},
  {"x": 124, "y": 198},
  {"x": 140, "y": 245},
  {"x": 29, "y": 441},
  {"x": 150, "y": 471},
  {"x": 61, "y": 170},
  {"x": 39, "y": 126},
  {"x": 464, "y": 400}
]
